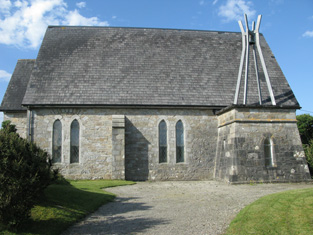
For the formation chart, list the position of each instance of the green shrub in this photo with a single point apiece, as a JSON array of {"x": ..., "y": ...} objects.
[
  {"x": 305, "y": 126},
  {"x": 24, "y": 174},
  {"x": 308, "y": 149}
]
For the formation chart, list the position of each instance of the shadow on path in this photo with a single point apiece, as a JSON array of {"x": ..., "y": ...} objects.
[{"x": 116, "y": 218}]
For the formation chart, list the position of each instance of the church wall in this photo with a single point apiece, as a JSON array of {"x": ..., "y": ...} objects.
[
  {"x": 19, "y": 119},
  {"x": 95, "y": 149},
  {"x": 124, "y": 143},
  {"x": 141, "y": 142},
  {"x": 142, "y": 150},
  {"x": 241, "y": 151}
]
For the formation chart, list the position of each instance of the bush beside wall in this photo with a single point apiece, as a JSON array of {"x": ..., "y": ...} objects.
[{"x": 25, "y": 171}]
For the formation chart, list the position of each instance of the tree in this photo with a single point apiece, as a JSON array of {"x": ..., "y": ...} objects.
[
  {"x": 24, "y": 173},
  {"x": 305, "y": 126},
  {"x": 308, "y": 150}
]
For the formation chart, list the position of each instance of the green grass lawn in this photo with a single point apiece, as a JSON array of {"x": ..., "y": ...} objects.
[
  {"x": 289, "y": 212},
  {"x": 65, "y": 203}
]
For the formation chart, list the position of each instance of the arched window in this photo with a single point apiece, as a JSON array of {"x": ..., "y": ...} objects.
[
  {"x": 180, "y": 142},
  {"x": 74, "y": 158},
  {"x": 57, "y": 141},
  {"x": 268, "y": 152},
  {"x": 162, "y": 142}
]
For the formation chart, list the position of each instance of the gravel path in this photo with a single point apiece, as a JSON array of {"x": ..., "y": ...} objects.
[{"x": 194, "y": 207}]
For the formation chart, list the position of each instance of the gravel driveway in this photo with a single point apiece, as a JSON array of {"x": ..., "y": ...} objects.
[{"x": 193, "y": 207}]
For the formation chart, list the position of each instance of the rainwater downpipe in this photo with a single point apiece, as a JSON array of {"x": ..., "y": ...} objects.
[{"x": 30, "y": 133}]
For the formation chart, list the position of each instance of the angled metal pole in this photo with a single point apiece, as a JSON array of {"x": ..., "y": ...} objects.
[
  {"x": 247, "y": 62},
  {"x": 256, "y": 69},
  {"x": 268, "y": 82},
  {"x": 241, "y": 62}
]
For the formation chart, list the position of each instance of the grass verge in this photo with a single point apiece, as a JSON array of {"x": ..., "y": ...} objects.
[
  {"x": 288, "y": 212},
  {"x": 65, "y": 203}
]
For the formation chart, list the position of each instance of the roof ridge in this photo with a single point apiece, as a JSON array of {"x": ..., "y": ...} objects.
[{"x": 142, "y": 28}]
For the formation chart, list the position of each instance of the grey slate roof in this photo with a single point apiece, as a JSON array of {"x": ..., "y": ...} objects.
[
  {"x": 138, "y": 66},
  {"x": 17, "y": 86}
]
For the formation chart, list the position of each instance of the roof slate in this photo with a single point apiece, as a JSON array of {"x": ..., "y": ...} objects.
[
  {"x": 17, "y": 86},
  {"x": 138, "y": 66}
]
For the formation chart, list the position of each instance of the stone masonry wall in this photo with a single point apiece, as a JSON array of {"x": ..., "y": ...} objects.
[
  {"x": 95, "y": 149},
  {"x": 118, "y": 147},
  {"x": 141, "y": 143},
  {"x": 240, "y": 150},
  {"x": 19, "y": 119},
  {"x": 123, "y": 143}
]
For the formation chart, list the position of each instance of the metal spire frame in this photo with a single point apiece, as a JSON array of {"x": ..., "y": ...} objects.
[{"x": 252, "y": 38}]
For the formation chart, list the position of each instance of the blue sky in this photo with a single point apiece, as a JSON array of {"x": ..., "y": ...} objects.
[{"x": 286, "y": 24}]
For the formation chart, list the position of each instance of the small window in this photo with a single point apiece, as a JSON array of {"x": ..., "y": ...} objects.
[
  {"x": 74, "y": 158},
  {"x": 57, "y": 141},
  {"x": 268, "y": 152},
  {"x": 162, "y": 142},
  {"x": 180, "y": 142}
]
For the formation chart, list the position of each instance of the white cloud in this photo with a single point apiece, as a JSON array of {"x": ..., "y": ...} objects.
[
  {"x": 5, "y": 6},
  {"x": 23, "y": 23},
  {"x": 4, "y": 76},
  {"x": 74, "y": 18},
  {"x": 81, "y": 4},
  {"x": 18, "y": 3},
  {"x": 308, "y": 34},
  {"x": 235, "y": 9},
  {"x": 214, "y": 2}
]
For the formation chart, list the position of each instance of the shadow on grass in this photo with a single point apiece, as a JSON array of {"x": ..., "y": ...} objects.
[
  {"x": 113, "y": 219},
  {"x": 63, "y": 205}
]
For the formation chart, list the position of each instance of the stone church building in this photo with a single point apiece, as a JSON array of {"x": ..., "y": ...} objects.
[{"x": 156, "y": 104}]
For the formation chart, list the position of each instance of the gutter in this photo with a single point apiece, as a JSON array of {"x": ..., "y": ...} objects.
[
  {"x": 242, "y": 106},
  {"x": 148, "y": 106}
]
